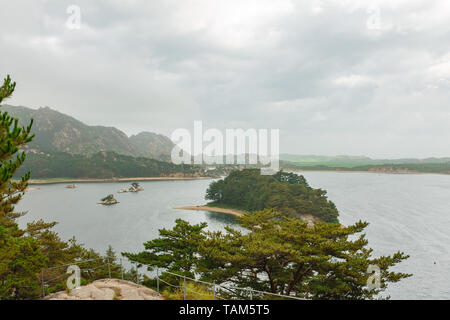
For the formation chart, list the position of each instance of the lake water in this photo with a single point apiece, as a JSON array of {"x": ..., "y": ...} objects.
[{"x": 410, "y": 213}]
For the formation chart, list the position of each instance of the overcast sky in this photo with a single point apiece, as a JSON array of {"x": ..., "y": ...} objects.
[{"x": 336, "y": 77}]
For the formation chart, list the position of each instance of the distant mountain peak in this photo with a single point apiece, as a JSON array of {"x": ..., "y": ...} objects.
[{"x": 58, "y": 132}]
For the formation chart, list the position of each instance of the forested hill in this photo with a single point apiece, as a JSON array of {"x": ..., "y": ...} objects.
[
  {"x": 287, "y": 192},
  {"x": 349, "y": 163},
  {"x": 58, "y": 132},
  {"x": 441, "y": 168},
  {"x": 102, "y": 165}
]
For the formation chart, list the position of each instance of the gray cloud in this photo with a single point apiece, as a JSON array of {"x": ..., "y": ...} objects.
[{"x": 313, "y": 69}]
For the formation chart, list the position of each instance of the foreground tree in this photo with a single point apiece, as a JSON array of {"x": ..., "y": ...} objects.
[
  {"x": 12, "y": 137},
  {"x": 286, "y": 256},
  {"x": 276, "y": 254},
  {"x": 25, "y": 253},
  {"x": 20, "y": 254},
  {"x": 176, "y": 250}
]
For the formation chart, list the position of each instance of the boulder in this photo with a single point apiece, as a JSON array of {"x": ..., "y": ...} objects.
[{"x": 107, "y": 289}]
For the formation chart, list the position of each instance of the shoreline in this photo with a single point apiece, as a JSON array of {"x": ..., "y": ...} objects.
[
  {"x": 310, "y": 219},
  {"x": 83, "y": 180},
  {"x": 367, "y": 171},
  {"x": 100, "y": 180},
  {"x": 234, "y": 212}
]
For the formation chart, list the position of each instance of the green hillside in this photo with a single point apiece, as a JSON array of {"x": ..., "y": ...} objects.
[
  {"x": 361, "y": 163},
  {"x": 57, "y": 132},
  {"x": 102, "y": 165}
]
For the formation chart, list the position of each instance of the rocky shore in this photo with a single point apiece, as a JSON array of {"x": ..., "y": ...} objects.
[{"x": 108, "y": 289}]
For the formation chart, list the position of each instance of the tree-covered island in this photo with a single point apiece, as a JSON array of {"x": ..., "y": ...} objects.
[
  {"x": 278, "y": 252},
  {"x": 289, "y": 193}
]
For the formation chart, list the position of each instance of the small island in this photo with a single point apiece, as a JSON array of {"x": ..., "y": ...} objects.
[
  {"x": 108, "y": 200},
  {"x": 134, "y": 188},
  {"x": 249, "y": 191}
]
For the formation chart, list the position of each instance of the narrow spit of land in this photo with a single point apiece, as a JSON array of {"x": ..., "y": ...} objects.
[{"x": 233, "y": 212}]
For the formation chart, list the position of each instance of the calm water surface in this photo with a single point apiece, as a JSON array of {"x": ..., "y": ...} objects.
[{"x": 406, "y": 212}]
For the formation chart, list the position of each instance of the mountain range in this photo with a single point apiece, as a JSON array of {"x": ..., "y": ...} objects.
[
  {"x": 58, "y": 132},
  {"x": 345, "y": 161}
]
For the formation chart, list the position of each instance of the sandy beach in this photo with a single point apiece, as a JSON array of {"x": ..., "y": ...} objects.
[
  {"x": 49, "y": 181},
  {"x": 310, "y": 219},
  {"x": 233, "y": 212}
]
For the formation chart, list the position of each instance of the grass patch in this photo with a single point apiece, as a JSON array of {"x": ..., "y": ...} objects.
[
  {"x": 117, "y": 295},
  {"x": 224, "y": 206},
  {"x": 194, "y": 291}
]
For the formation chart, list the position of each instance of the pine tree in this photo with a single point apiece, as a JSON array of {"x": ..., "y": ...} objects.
[
  {"x": 12, "y": 137},
  {"x": 24, "y": 253},
  {"x": 174, "y": 251},
  {"x": 20, "y": 254},
  {"x": 114, "y": 267},
  {"x": 111, "y": 254},
  {"x": 287, "y": 256},
  {"x": 276, "y": 254}
]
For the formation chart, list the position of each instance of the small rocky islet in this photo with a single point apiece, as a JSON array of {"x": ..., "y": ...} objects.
[{"x": 110, "y": 200}]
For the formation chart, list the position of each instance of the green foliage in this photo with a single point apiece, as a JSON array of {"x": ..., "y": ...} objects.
[
  {"x": 58, "y": 132},
  {"x": 93, "y": 266},
  {"x": 135, "y": 185},
  {"x": 279, "y": 254},
  {"x": 430, "y": 165},
  {"x": 132, "y": 275},
  {"x": 115, "y": 267},
  {"x": 443, "y": 167},
  {"x": 111, "y": 254},
  {"x": 284, "y": 255},
  {"x": 109, "y": 197},
  {"x": 175, "y": 250},
  {"x": 102, "y": 165},
  {"x": 20, "y": 260},
  {"x": 20, "y": 255},
  {"x": 24, "y": 253},
  {"x": 290, "y": 178},
  {"x": 286, "y": 192},
  {"x": 194, "y": 291},
  {"x": 7, "y": 89},
  {"x": 360, "y": 163},
  {"x": 326, "y": 160}
]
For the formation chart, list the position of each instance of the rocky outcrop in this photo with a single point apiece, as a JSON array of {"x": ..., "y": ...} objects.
[
  {"x": 152, "y": 145},
  {"x": 58, "y": 132},
  {"x": 108, "y": 289}
]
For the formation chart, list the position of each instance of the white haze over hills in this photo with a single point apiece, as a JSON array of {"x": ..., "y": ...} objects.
[
  {"x": 336, "y": 77},
  {"x": 58, "y": 132}
]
